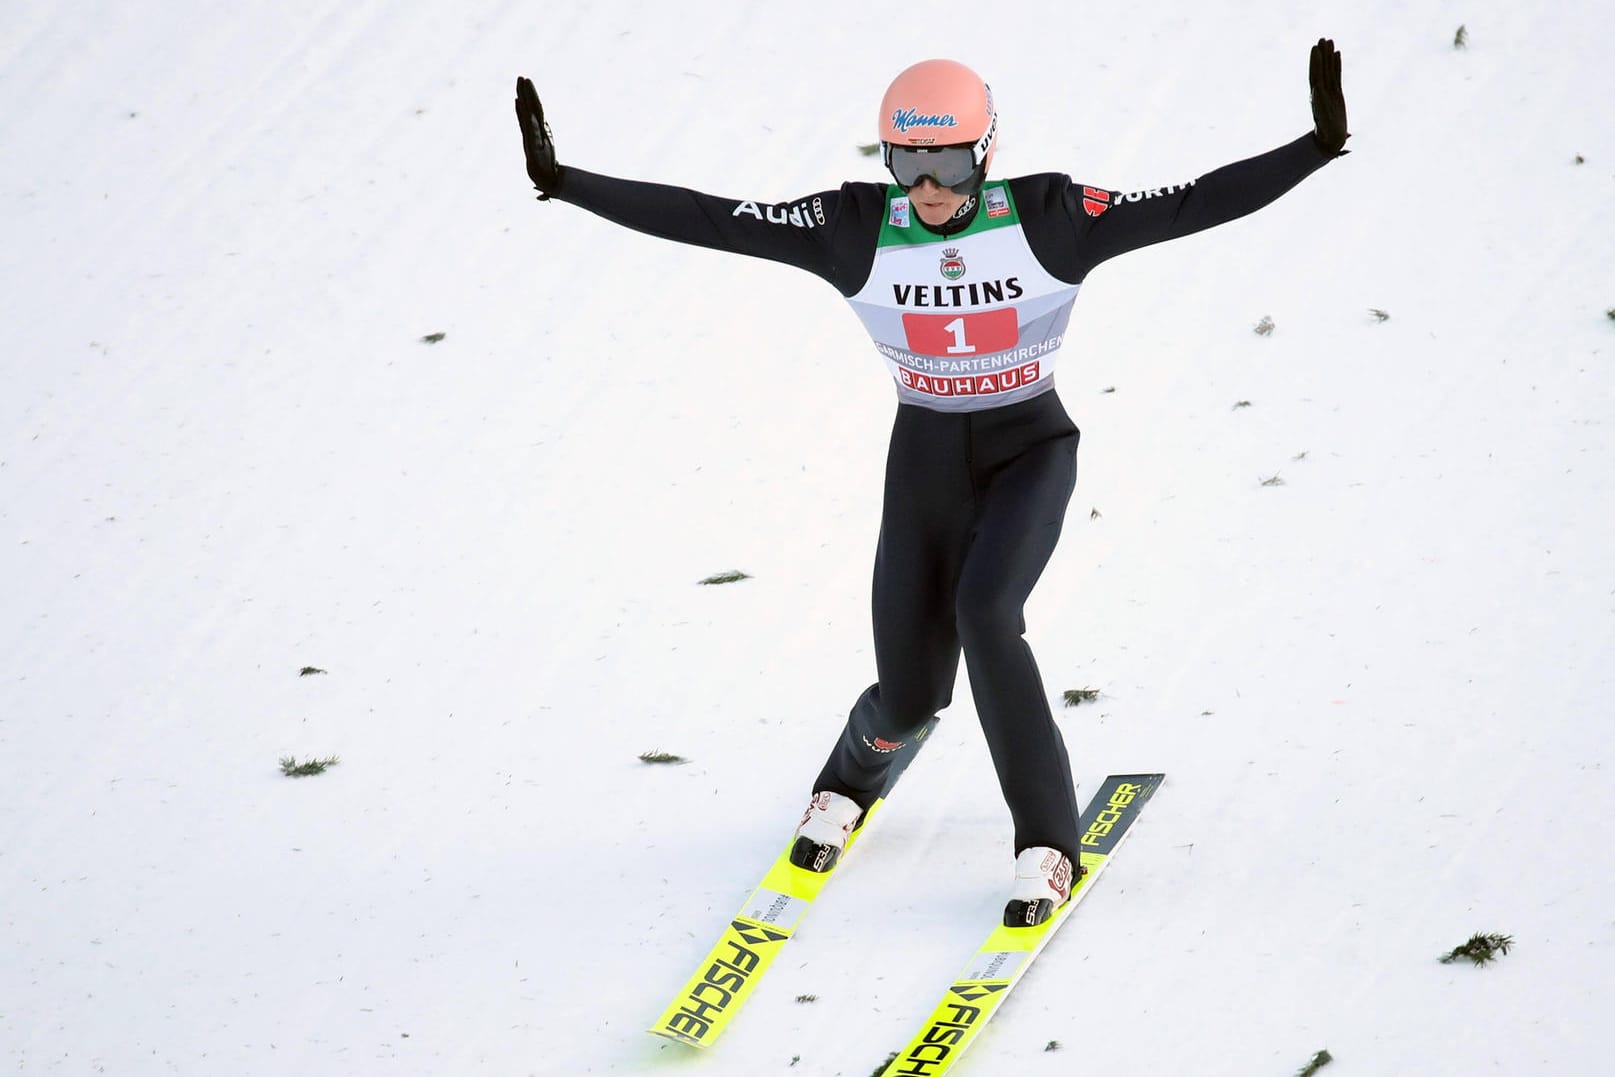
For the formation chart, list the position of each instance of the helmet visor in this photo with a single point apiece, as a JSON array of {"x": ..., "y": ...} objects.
[{"x": 950, "y": 166}]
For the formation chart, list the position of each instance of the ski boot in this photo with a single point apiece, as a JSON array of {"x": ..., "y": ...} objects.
[
  {"x": 823, "y": 832},
  {"x": 1042, "y": 884}
]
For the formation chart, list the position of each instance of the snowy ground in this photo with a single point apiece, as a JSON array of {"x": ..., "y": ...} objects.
[{"x": 1379, "y": 690}]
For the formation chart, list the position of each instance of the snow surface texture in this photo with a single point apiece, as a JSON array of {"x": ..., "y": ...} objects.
[{"x": 1380, "y": 689}]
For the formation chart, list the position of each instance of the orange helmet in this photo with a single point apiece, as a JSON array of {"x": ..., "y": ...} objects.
[{"x": 933, "y": 106}]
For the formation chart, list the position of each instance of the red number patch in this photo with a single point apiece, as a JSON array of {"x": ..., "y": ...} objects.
[{"x": 984, "y": 333}]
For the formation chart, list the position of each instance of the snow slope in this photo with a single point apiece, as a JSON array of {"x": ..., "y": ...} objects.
[{"x": 1379, "y": 689}]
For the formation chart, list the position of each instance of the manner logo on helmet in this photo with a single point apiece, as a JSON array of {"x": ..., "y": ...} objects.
[
  {"x": 953, "y": 266},
  {"x": 1095, "y": 200},
  {"x": 904, "y": 118}
]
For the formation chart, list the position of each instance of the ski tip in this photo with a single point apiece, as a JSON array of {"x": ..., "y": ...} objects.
[{"x": 1145, "y": 784}]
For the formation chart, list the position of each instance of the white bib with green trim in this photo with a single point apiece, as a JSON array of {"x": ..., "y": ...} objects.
[{"x": 968, "y": 321}]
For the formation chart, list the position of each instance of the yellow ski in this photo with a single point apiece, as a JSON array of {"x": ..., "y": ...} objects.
[
  {"x": 999, "y": 963},
  {"x": 754, "y": 937}
]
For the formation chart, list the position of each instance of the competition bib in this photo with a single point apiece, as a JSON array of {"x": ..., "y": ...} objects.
[{"x": 967, "y": 321}]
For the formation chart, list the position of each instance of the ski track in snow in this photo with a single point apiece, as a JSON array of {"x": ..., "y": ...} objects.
[{"x": 1379, "y": 690}]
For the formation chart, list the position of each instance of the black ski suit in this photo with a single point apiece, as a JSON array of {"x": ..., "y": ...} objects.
[{"x": 976, "y": 490}]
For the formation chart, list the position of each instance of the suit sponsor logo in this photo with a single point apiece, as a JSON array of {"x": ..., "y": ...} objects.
[
  {"x": 1001, "y": 381},
  {"x": 898, "y": 217},
  {"x": 1155, "y": 192},
  {"x": 882, "y": 745},
  {"x": 997, "y": 202},
  {"x": 801, "y": 215},
  {"x": 974, "y": 294},
  {"x": 1095, "y": 200},
  {"x": 953, "y": 266}
]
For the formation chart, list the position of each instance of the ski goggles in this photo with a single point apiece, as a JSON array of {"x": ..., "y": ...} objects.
[{"x": 953, "y": 167}]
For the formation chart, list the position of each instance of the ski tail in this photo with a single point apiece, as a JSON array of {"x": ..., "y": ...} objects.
[
  {"x": 726, "y": 977},
  {"x": 999, "y": 963},
  {"x": 748, "y": 945}
]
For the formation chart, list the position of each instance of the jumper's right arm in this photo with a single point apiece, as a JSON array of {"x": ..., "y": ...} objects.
[
  {"x": 800, "y": 233},
  {"x": 792, "y": 233}
]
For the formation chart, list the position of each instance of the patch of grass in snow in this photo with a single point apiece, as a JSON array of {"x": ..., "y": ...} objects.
[
  {"x": 1480, "y": 949},
  {"x": 1080, "y": 695},
  {"x": 733, "y": 576},
  {"x": 290, "y": 767},
  {"x": 1318, "y": 1062},
  {"x": 661, "y": 757}
]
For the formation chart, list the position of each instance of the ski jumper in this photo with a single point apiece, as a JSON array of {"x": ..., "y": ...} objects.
[{"x": 969, "y": 319}]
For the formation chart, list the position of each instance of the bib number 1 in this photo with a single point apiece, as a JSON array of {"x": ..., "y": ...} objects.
[
  {"x": 958, "y": 347},
  {"x": 981, "y": 333}
]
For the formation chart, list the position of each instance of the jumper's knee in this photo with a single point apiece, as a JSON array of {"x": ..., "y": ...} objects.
[
  {"x": 883, "y": 720},
  {"x": 988, "y": 619}
]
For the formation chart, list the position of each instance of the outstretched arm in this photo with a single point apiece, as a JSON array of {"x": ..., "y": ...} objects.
[
  {"x": 1108, "y": 223},
  {"x": 819, "y": 232}
]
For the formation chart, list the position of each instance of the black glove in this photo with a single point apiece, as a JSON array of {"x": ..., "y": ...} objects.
[
  {"x": 536, "y": 141},
  {"x": 1328, "y": 103}
]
